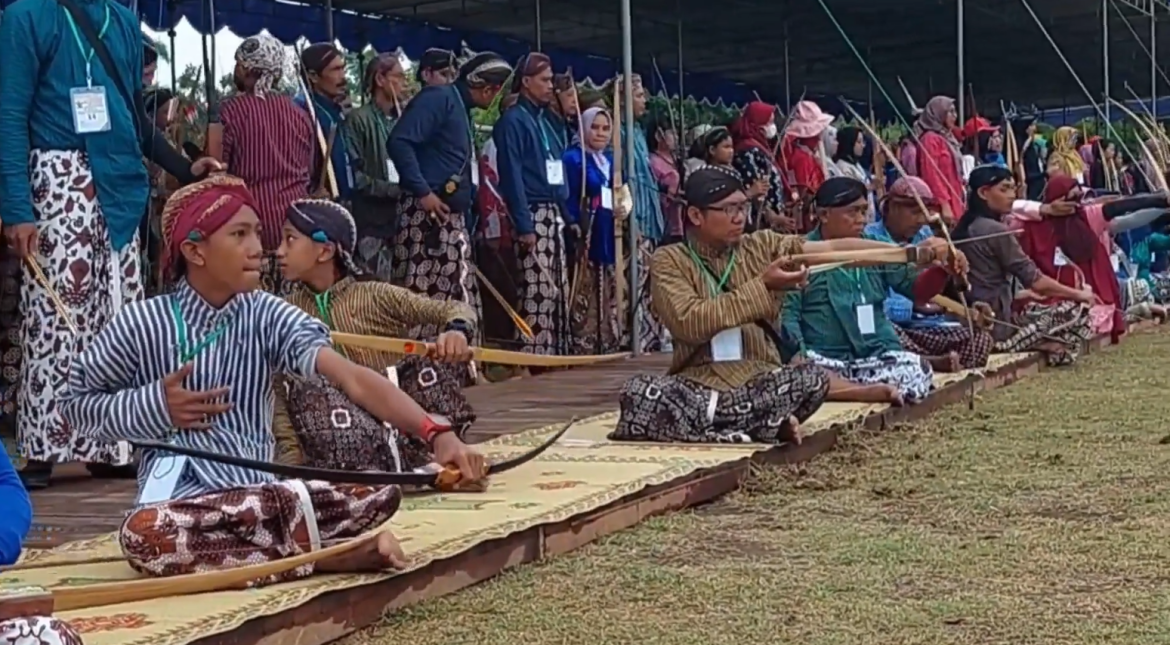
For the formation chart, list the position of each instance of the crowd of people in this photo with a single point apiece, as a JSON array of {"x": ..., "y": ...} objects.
[{"x": 160, "y": 291}]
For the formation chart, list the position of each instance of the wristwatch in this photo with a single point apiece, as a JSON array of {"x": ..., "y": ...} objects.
[
  {"x": 434, "y": 425},
  {"x": 461, "y": 326}
]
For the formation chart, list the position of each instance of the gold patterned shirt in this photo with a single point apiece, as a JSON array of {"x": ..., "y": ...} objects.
[{"x": 684, "y": 301}]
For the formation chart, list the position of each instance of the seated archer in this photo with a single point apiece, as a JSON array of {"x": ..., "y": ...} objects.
[{"x": 719, "y": 294}]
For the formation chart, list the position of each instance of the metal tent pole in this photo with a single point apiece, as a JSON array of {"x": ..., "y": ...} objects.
[
  {"x": 1154, "y": 59},
  {"x": 627, "y": 75},
  {"x": 1105, "y": 58},
  {"x": 538, "y": 48},
  {"x": 962, "y": 72},
  {"x": 329, "y": 20}
]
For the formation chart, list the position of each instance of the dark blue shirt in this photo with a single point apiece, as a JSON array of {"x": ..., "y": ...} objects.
[
  {"x": 15, "y": 512},
  {"x": 432, "y": 143},
  {"x": 526, "y": 137},
  {"x": 42, "y": 63},
  {"x": 330, "y": 118}
]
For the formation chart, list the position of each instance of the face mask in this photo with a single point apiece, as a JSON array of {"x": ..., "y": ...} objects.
[{"x": 770, "y": 131}]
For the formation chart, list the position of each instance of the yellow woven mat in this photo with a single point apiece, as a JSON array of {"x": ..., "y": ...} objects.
[{"x": 584, "y": 471}]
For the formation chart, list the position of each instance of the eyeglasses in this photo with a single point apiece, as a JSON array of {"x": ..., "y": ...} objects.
[{"x": 731, "y": 210}]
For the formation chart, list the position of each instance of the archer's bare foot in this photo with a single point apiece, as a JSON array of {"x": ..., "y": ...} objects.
[{"x": 376, "y": 555}]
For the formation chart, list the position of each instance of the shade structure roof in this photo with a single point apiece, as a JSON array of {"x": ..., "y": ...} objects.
[{"x": 735, "y": 49}]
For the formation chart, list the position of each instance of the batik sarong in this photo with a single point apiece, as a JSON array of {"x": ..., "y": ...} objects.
[
  {"x": 10, "y": 351},
  {"x": 38, "y": 630},
  {"x": 432, "y": 257},
  {"x": 93, "y": 280},
  {"x": 1160, "y": 284},
  {"x": 1040, "y": 324},
  {"x": 1137, "y": 299},
  {"x": 252, "y": 525},
  {"x": 331, "y": 431},
  {"x": 544, "y": 285},
  {"x": 376, "y": 254},
  {"x": 971, "y": 348},
  {"x": 272, "y": 278},
  {"x": 677, "y": 409},
  {"x": 594, "y": 314},
  {"x": 908, "y": 372}
]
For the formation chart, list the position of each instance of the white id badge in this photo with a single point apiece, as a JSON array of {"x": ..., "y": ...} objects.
[
  {"x": 554, "y": 171},
  {"x": 391, "y": 172},
  {"x": 865, "y": 321},
  {"x": 727, "y": 345},
  {"x": 164, "y": 477},
  {"x": 90, "y": 109},
  {"x": 607, "y": 198},
  {"x": 1116, "y": 263},
  {"x": 1060, "y": 258},
  {"x": 475, "y": 174}
]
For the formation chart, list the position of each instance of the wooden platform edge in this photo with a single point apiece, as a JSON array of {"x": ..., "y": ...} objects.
[{"x": 336, "y": 614}]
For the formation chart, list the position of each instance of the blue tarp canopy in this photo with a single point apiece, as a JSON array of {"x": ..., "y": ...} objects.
[{"x": 732, "y": 49}]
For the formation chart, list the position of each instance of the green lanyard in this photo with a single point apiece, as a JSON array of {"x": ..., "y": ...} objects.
[
  {"x": 186, "y": 354},
  {"x": 716, "y": 287},
  {"x": 323, "y": 308},
  {"x": 540, "y": 124},
  {"x": 88, "y": 56}
]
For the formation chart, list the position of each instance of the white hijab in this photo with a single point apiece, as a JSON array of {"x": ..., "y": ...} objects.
[{"x": 599, "y": 157}]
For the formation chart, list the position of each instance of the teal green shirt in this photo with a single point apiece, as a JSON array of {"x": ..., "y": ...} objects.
[
  {"x": 1142, "y": 253},
  {"x": 823, "y": 316},
  {"x": 42, "y": 62}
]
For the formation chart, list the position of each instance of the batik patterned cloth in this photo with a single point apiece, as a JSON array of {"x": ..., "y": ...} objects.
[
  {"x": 1160, "y": 284},
  {"x": 252, "y": 525},
  {"x": 93, "y": 280},
  {"x": 544, "y": 285},
  {"x": 10, "y": 351},
  {"x": 331, "y": 431},
  {"x": 972, "y": 348},
  {"x": 908, "y": 372},
  {"x": 376, "y": 254},
  {"x": 594, "y": 314},
  {"x": 1067, "y": 321},
  {"x": 38, "y": 630},
  {"x": 677, "y": 409},
  {"x": 272, "y": 278},
  {"x": 433, "y": 259}
]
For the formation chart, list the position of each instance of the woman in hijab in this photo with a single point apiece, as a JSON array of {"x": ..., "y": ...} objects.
[
  {"x": 1046, "y": 315},
  {"x": 753, "y": 132},
  {"x": 991, "y": 148},
  {"x": 589, "y": 173},
  {"x": 1064, "y": 158},
  {"x": 939, "y": 158}
]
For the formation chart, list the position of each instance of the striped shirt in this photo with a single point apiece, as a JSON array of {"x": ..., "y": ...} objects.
[
  {"x": 270, "y": 144},
  {"x": 373, "y": 308},
  {"x": 115, "y": 389},
  {"x": 685, "y": 301}
]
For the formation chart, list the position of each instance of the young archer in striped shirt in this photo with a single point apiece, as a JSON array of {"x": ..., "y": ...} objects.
[{"x": 195, "y": 367}]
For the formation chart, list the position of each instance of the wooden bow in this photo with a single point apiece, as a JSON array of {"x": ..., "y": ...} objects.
[
  {"x": 1150, "y": 158},
  {"x": 619, "y": 253},
  {"x": 480, "y": 354},
  {"x": 940, "y": 221},
  {"x": 60, "y": 599}
]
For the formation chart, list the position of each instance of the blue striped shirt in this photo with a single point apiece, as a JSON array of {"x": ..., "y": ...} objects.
[{"x": 115, "y": 390}]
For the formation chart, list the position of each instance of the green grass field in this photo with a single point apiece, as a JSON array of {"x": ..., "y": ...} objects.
[{"x": 1042, "y": 517}]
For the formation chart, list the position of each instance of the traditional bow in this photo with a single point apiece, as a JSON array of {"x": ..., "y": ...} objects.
[
  {"x": 481, "y": 354},
  {"x": 445, "y": 480}
]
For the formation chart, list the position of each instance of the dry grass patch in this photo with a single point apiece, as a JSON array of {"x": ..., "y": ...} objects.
[{"x": 1042, "y": 517}]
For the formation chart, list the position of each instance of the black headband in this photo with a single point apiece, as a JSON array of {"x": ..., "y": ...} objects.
[
  {"x": 710, "y": 185},
  {"x": 840, "y": 191}
]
